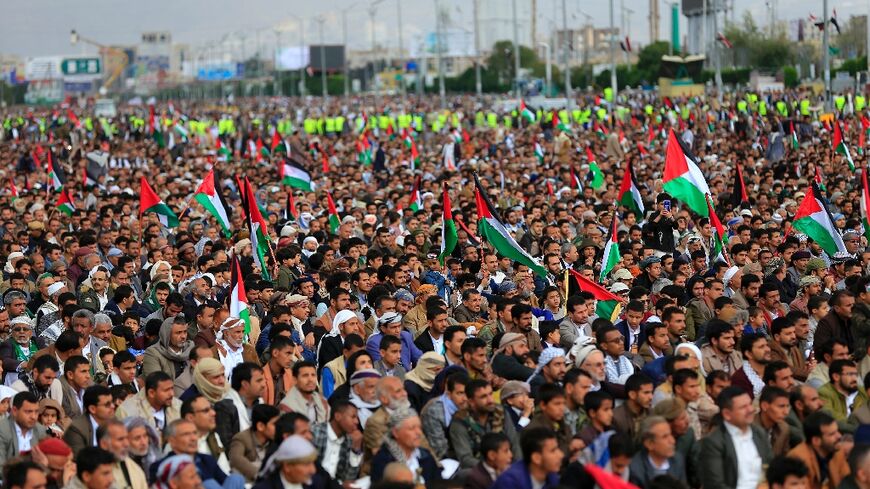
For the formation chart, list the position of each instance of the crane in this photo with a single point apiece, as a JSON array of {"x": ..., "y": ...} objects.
[{"x": 105, "y": 51}]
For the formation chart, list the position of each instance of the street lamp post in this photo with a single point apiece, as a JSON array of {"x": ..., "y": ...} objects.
[
  {"x": 344, "y": 41},
  {"x": 478, "y": 85},
  {"x": 442, "y": 91},
  {"x": 549, "y": 66},
  {"x": 373, "y": 9},
  {"x": 302, "y": 44},
  {"x": 826, "y": 59},
  {"x": 401, "y": 49},
  {"x": 516, "y": 50},
  {"x": 612, "y": 62},
  {"x": 323, "y": 90}
]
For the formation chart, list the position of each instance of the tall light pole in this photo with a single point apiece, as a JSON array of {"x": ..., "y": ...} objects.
[
  {"x": 373, "y": 9},
  {"x": 344, "y": 41},
  {"x": 277, "y": 84},
  {"x": 549, "y": 67},
  {"x": 516, "y": 49},
  {"x": 612, "y": 62},
  {"x": 401, "y": 48},
  {"x": 717, "y": 50},
  {"x": 565, "y": 47},
  {"x": 442, "y": 92},
  {"x": 302, "y": 45},
  {"x": 323, "y": 91},
  {"x": 826, "y": 60},
  {"x": 478, "y": 85}
]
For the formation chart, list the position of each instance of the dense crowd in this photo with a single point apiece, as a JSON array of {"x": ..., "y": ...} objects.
[{"x": 157, "y": 330}]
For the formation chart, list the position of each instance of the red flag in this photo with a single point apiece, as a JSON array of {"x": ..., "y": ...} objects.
[
  {"x": 652, "y": 134},
  {"x": 276, "y": 140},
  {"x": 607, "y": 480},
  {"x": 641, "y": 149},
  {"x": 724, "y": 40},
  {"x": 549, "y": 188},
  {"x": 72, "y": 117},
  {"x": 325, "y": 161}
]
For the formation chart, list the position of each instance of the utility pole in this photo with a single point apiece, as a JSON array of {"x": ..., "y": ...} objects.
[
  {"x": 302, "y": 46},
  {"x": 373, "y": 9},
  {"x": 566, "y": 45},
  {"x": 549, "y": 65},
  {"x": 344, "y": 41},
  {"x": 626, "y": 28},
  {"x": 717, "y": 50},
  {"x": 323, "y": 90},
  {"x": 516, "y": 50},
  {"x": 826, "y": 59},
  {"x": 478, "y": 85},
  {"x": 401, "y": 50},
  {"x": 442, "y": 92},
  {"x": 612, "y": 62},
  {"x": 277, "y": 83}
]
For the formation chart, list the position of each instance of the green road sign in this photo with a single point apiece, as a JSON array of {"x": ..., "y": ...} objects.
[{"x": 81, "y": 66}]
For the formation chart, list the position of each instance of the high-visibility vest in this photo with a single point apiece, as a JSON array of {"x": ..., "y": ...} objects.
[
  {"x": 330, "y": 124},
  {"x": 648, "y": 109},
  {"x": 320, "y": 123},
  {"x": 741, "y": 106},
  {"x": 310, "y": 125},
  {"x": 492, "y": 120},
  {"x": 860, "y": 102},
  {"x": 418, "y": 122},
  {"x": 762, "y": 108},
  {"x": 840, "y": 101},
  {"x": 782, "y": 108},
  {"x": 508, "y": 121},
  {"x": 339, "y": 124},
  {"x": 805, "y": 107},
  {"x": 479, "y": 119}
]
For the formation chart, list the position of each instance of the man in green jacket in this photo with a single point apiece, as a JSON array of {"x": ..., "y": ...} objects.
[{"x": 842, "y": 395}]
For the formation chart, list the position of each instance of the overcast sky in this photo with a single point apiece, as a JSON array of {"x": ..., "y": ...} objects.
[{"x": 41, "y": 27}]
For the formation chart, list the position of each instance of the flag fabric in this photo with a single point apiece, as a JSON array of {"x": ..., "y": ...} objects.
[
  {"x": 56, "y": 178},
  {"x": 222, "y": 150},
  {"x": 150, "y": 202},
  {"x": 629, "y": 194},
  {"x": 597, "y": 179},
  {"x": 814, "y": 219},
  {"x": 539, "y": 152},
  {"x": 840, "y": 145},
  {"x": 73, "y": 118},
  {"x": 719, "y": 236},
  {"x": 865, "y": 203},
  {"x": 818, "y": 179},
  {"x": 738, "y": 190},
  {"x": 525, "y": 113},
  {"x": 724, "y": 40},
  {"x": 683, "y": 179},
  {"x": 259, "y": 232},
  {"x": 412, "y": 145},
  {"x": 364, "y": 150},
  {"x": 559, "y": 124},
  {"x": 449, "y": 238},
  {"x": 210, "y": 198},
  {"x": 448, "y": 157},
  {"x": 605, "y": 479},
  {"x": 65, "y": 203},
  {"x": 865, "y": 128},
  {"x": 324, "y": 160},
  {"x": 293, "y": 175},
  {"x": 575, "y": 180},
  {"x": 415, "y": 201},
  {"x": 607, "y": 305},
  {"x": 238, "y": 300},
  {"x": 795, "y": 144},
  {"x": 334, "y": 221},
  {"x": 611, "y": 250},
  {"x": 290, "y": 212},
  {"x": 490, "y": 228},
  {"x": 13, "y": 190}
]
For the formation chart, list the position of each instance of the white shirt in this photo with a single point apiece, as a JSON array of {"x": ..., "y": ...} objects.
[
  {"x": 202, "y": 447},
  {"x": 414, "y": 465},
  {"x": 748, "y": 459},
  {"x": 288, "y": 485},
  {"x": 633, "y": 335},
  {"x": 438, "y": 344},
  {"x": 24, "y": 439},
  {"x": 850, "y": 400},
  {"x": 94, "y": 427},
  {"x": 159, "y": 419},
  {"x": 332, "y": 451}
]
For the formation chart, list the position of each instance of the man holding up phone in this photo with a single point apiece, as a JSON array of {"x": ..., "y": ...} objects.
[{"x": 658, "y": 233}]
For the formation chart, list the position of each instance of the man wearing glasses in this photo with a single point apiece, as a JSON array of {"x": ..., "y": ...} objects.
[{"x": 617, "y": 366}]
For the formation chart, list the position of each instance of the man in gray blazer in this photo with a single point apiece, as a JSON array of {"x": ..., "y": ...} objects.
[
  {"x": 736, "y": 451},
  {"x": 84, "y": 323},
  {"x": 576, "y": 322},
  {"x": 76, "y": 378},
  {"x": 21, "y": 430}
]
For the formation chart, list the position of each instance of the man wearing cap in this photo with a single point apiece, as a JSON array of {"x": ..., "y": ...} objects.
[
  {"x": 292, "y": 466},
  {"x": 550, "y": 370},
  {"x": 650, "y": 271},
  {"x": 798, "y": 268},
  {"x": 509, "y": 359},
  {"x": 658, "y": 233},
  {"x": 363, "y": 394},
  {"x": 852, "y": 241},
  {"x": 16, "y": 351},
  {"x": 809, "y": 286}
]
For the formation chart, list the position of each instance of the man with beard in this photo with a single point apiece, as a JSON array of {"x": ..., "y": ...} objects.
[
  {"x": 510, "y": 358},
  {"x": 482, "y": 416},
  {"x": 822, "y": 437},
  {"x": 112, "y": 436},
  {"x": 155, "y": 403},
  {"x": 231, "y": 348},
  {"x": 756, "y": 354},
  {"x": 748, "y": 293},
  {"x": 392, "y": 396},
  {"x": 363, "y": 393},
  {"x": 304, "y": 398},
  {"x": 522, "y": 318},
  {"x": 842, "y": 395},
  {"x": 21, "y": 430},
  {"x": 551, "y": 369},
  {"x": 783, "y": 347},
  {"x": 436, "y": 414},
  {"x": 628, "y": 416},
  {"x": 42, "y": 381},
  {"x": 719, "y": 353}
]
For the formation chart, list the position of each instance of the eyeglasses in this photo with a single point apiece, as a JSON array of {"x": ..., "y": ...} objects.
[
  {"x": 617, "y": 339},
  {"x": 20, "y": 330}
]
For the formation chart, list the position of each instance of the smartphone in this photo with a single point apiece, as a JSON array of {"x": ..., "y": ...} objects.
[{"x": 667, "y": 205}]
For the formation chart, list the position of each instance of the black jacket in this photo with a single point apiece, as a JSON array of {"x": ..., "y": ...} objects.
[
  {"x": 659, "y": 235},
  {"x": 429, "y": 467}
]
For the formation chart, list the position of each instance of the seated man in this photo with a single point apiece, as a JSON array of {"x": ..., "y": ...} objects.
[{"x": 183, "y": 438}]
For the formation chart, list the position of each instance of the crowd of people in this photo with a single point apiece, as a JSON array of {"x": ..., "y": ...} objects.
[{"x": 344, "y": 341}]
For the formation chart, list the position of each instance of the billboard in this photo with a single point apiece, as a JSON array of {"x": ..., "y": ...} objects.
[
  {"x": 43, "y": 68},
  {"x": 292, "y": 58},
  {"x": 455, "y": 43},
  {"x": 220, "y": 71},
  {"x": 333, "y": 57}
]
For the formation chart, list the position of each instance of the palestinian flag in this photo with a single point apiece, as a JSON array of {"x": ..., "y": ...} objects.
[
  {"x": 576, "y": 181},
  {"x": 293, "y": 175},
  {"x": 814, "y": 219},
  {"x": 558, "y": 124},
  {"x": 223, "y": 151},
  {"x": 629, "y": 194},
  {"x": 238, "y": 299},
  {"x": 607, "y": 304},
  {"x": 364, "y": 150},
  {"x": 818, "y": 179},
  {"x": 65, "y": 203},
  {"x": 795, "y": 144},
  {"x": 840, "y": 145},
  {"x": 594, "y": 170},
  {"x": 415, "y": 202},
  {"x": 865, "y": 203},
  {"x": 457, "y": 136},
  {"x": 210, "y": 198},
  {"x": 493, "y": 231},
  {"x": 73, "y": 118},
  {"x": 150, "y": 202},
  {"x": 410, "y": 144},
  {"x": 449, "y": 237},
  {"x": 539, "y": 152},
  {"x": 865, "y": 128},
  {"x": 719, "y": 236},
  {"x": 683, "y": 179},
  {"x": 334, "y": 221},
  {"x": 738, "y": 190},
  {"x": 278, "y": 145},
  {"x": 56, "y": 178},
  {"x": 525, "y": 113},
  {"x": 611, "y": 250},
  {"x": 259, "y": 231},
  {"x": 290, "y": 212},
  {"x": 13, "y": 190}
]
